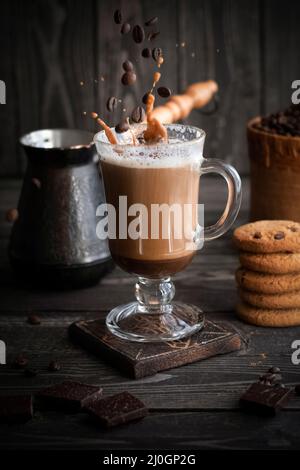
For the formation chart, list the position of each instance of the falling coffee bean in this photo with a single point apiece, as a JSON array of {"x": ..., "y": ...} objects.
[
  {"x": 153, "y": 35},
  {"x": 118, "y": 17},
  {"x": 138, "y": 114},
  {"x": 127, "y": 66},
  {"x": 152, "y": 21},
  {"x": 164, "y": 92},
  {"x": 145, "y": 98},
  {"x": 279, "y": 236},
  {"x": 156, "y": 53},
  {"x": 123, "y": 126},
  {"x": 125, "y": 28},
  {"x": 128, "y": 78},
  {"x": 54, "y": 366},
  {"x": 146, "y": 52},
  {"x": 33, "y": 319},
  {"x": 138, "y": 34},
  {"x": 20, "y": 361},
  {"x": 111, "y": 103}
]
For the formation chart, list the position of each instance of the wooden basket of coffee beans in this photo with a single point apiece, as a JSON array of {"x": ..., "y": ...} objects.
[{"x": 274, "y": 152}]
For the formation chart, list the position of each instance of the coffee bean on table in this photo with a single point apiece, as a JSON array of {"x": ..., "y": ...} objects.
[
  {"x": 125, "y": 28},
  {"x": 123, "y": 126},
  {"x": 128, "y": 78},
  {"x": 279, "y": 236},
  {"x": 54, "y": 366},
  {"x": 111, "y": 103},
  {"x": 138, "y": 114},
  {"x": 164, "y": 92},
  {"x": 33, "y": 319},
  {"x": 153, "y": 35},
  {"x": 146, "y": 52},
  {"x": 127, "y": 66},
  {"x": 138, "y": 34},
  {"x": 156, "y": 53},
  {"x": 152, "y": 21},
  {"x": 118, "y": 17},
  {"x": 21, "y": 361}
]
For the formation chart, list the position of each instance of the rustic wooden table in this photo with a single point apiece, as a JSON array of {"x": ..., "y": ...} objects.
[{"x": 195, "y": 406}]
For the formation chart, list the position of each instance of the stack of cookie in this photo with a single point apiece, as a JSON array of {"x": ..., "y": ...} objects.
[{"x": 269, "y": 276}]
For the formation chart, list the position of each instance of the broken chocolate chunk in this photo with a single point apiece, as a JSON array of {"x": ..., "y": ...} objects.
[
  {"x": 117, "y": 409},
  {"x": 265, "y": 399},
  {"x": 71, "y": 396}
]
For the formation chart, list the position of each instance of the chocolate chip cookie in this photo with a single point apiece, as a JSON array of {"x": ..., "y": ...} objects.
[
  {"x": 272, "y": 263},
  {"x": 268, "y": 317},
  {"x": 275, "y": 301},
  {"x": 268, "y": 236},
  {"x": 267, "y": 283}
]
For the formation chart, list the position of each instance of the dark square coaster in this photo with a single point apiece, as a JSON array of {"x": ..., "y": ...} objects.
[{"x": 142, "y": 359}]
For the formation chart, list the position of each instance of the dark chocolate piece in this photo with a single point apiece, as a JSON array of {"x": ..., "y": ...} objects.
[
  {"x": 143, "y": 359},
  {"x": 265, "y": 399},
  {"x": 72, "y": 396},
  {"x": 15, "y": 409},
  {"x": 117, "y": 409}
]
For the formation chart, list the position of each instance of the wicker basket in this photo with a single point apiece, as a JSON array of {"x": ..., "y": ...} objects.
[{"x": 275, "y": 175}]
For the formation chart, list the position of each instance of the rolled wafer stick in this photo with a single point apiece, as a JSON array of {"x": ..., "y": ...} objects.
[{"x": 179, "y": 106}]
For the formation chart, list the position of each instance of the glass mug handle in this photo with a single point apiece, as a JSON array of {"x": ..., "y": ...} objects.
[{"x": 234, "y": 197}]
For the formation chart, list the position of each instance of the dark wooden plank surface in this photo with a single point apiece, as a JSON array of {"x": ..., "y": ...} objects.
[
  {"x": 47, "y": 48},
  {"x": 195, "y": 406}
]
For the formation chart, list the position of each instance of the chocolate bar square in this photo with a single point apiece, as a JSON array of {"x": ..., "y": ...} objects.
[
  {"x": 117, "y": 409},
  {"x": 71, "y": 396},
  {"x": 15, "y": 409},
  {"x": 265, "y": 399}
]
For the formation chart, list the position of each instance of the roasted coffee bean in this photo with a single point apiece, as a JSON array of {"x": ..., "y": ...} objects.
[
  {"x": 123, "y": 126},
  {"x": 118, "y": 17},
  {"x": 146, "y": 52},
  {"x": 125, "y": 28},
  {"x": 156, "y": 53},
  {"x": 274, "y": 370},
  {"x": 111, "y": 103},
  {"x": 33, "y": 319},
  {"x": 138, "y": 114},
  {"x": 138, "y": 34},
  {"x": 12, "y": 215},
  {"x": 164, "y": 92},
  {"x": 151, "y": 36},
  {"x": 20, "y": 361},
  {"x": 257, "y": 235},
  {"x": 128, "y": 78},
  {"x": 152, "y": 21},
  {"x": 30, "y": 372},
  {"x": 145, "y": 98},
  {"x": 54, "y": 366},
  {"x": 279, "y": 236},
  {"x": 127, "y": 66}
]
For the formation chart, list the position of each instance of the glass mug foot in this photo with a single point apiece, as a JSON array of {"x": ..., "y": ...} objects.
[{"x": 181, "y": 321}]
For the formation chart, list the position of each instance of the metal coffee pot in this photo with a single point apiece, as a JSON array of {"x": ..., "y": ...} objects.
[{"x": 54, "y": 239}]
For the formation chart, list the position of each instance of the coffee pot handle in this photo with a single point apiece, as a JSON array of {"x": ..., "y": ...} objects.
[{"x": 234, "y": 198}]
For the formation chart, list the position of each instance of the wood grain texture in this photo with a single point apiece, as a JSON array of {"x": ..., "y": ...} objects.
[
  {"x": 195, "y": 406},
  {"x": 280, "y": 49},
  {"x": 48, "y": 48}
]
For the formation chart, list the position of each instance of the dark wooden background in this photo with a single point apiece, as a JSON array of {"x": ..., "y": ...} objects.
[{"x": 47, "y": 47}]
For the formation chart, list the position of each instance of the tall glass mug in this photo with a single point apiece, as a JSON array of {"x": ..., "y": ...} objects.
[{"x": 154, "y": 227}]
